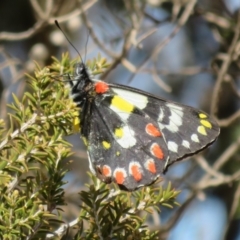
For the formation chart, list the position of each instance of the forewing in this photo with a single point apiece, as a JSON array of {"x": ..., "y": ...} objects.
[{"x": 124, "y": 144}]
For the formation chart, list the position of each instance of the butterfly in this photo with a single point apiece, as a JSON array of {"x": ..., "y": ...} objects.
[{"x": 132, "y": 137}]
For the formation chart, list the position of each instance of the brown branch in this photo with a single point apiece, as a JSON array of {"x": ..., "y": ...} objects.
[
  {"x": 121, "y": 57},
  {"x": 224, "y": 68},
  {"x": 42, "y": 14},
  {"x": 234, "y": 87},
  {"x": 228, "y": 121},
  {"x": 227, "y": 154},
  {"x": 183, "y": 19},
  {"x": 233, "y": 210},
  {"x": 42, "y": 22},
  {"x": 173, "y": 220},
  {"x": 207, "y": 168},
  {"x": 181, "y": 22},
  {"x": 187, "y": 71},
  {"x": 235, "y": 205},
  {"x": 7, "y": 36},
  {"x": 96, "y": 40},
  {"x": 129, "y": 40},
  {"x": 218, "y": 181},
  {"x": 207, "y": 180}
]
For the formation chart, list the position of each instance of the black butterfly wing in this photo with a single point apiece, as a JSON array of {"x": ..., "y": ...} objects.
[
  {"x": 133, "y": 137},
  {"x": 186, "y": 130},
  {"x": 119, "y": 147}
]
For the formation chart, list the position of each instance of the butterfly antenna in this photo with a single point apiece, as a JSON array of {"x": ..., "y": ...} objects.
[{"x": 57, "y": 24}]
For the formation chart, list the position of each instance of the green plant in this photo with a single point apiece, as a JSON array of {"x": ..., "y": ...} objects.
[{"x": 32, "y": 150}]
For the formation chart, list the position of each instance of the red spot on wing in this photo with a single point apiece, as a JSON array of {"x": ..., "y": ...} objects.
[
  {"x": 119, "y": 176},
  {"x": 150, "y": 165},
  {"x": 157, "y": 151},
  {"x": 101, "y": 87},
  {"x": 106, "y": 171},
  {"x": 136, "y": 172},
  {"x": 152, "y": 130}
]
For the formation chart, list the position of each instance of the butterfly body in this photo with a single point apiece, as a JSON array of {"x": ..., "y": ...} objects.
[{"x": 132, "y": 137}]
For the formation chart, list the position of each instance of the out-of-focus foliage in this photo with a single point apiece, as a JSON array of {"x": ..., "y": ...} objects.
[
  {"x": 32, "y": 151},
  {"x": 185, "y": 51}
]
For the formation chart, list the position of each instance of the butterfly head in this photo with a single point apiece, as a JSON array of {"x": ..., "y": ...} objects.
[
  {"x": 80, "y": 77},
  {"x": 80, "y": 84},
  {"x": 80, "y": 70}
]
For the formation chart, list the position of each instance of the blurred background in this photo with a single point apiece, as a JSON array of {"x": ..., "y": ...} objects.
[{"x": 182, "y": 50}]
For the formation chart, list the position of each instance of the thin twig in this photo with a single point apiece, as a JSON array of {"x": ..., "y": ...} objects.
[
  {"x": 181, "y": 22},
  {"x": 93, "y": 35},
  {"x": 226, "y": 122},
  {"x": 13, "y": 135},
  {"x": 41, "y": 23},
  {"x": 224, "y": 68}
]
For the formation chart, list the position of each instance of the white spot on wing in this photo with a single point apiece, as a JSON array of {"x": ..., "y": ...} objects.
[
  {"x": 194, "y": 138},
  {"x": 186, "y": 144},
  {"x": 161, "y": 115},
  {"x": 174, "y": 106},
  {"x": 138, "y": 100},
  {"x": 172, "y": 146},
  {"x": 123, "y": 115},
  {"x": 91, "y": 164},
  {"x": 127, "y": 140},
  {"x": 175, "y": 119}
]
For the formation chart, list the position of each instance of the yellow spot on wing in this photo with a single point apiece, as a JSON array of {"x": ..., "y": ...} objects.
[
  {"x": 122, "y": 104},
  {"x": 117, "y": 153},
  {"x": 106, "y": 144},
  {"x": 202, "y": 130},
  {"x": 85, "y": 141},
  {"x": 202, "y": 115},
  {"x": 76, "y": 124},
  {"x": 206, "y": 123},
  {"x": 118, "y": 132}
]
